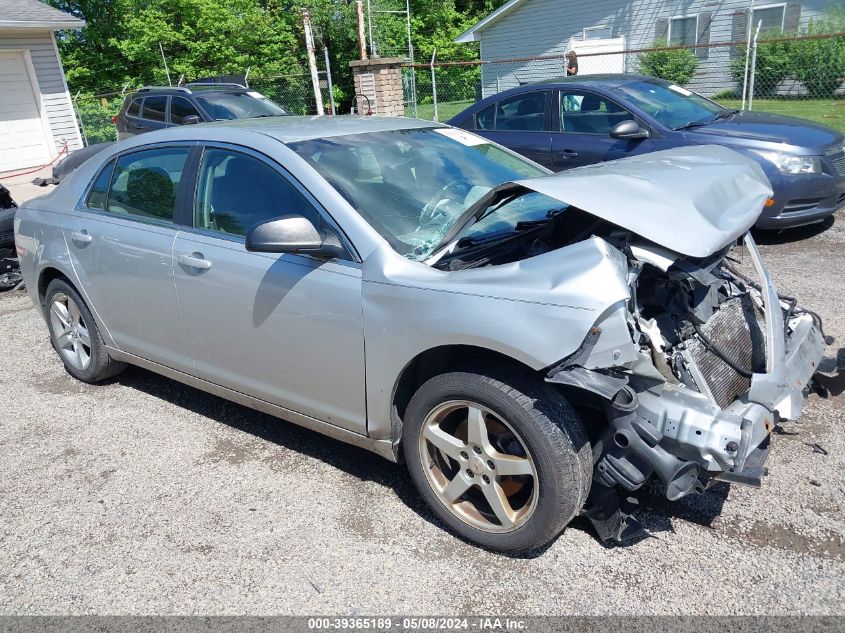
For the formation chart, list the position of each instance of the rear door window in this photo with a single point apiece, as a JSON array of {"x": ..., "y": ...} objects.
[
  {"x": 524, "y": 112},
  {"x": 155, "y": 108},
  {"x": 180, "y": 108},
  {"x": 144, "y": 184}
]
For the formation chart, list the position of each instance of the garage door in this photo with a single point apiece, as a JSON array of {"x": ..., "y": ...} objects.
[{"x": 23, "y": 139}]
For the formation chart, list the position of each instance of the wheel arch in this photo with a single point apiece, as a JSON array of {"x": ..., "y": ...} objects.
[
  {"x": 438, "y": 360},
  {"x": 46, "y": 276}
]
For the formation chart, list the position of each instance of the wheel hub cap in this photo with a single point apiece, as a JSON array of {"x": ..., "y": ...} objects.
[{"x": 478, "y": 466}]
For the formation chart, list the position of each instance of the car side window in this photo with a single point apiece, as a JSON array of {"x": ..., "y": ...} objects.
[
  {"x": 100, "y": 189},
  {"x": 154, "y": 108},
  {"x": 237, "y": 191},
  {"x": 180, "y": 107},
  {"x": 524, "y": 112},
  {"x": 589, "y": 113},
  {"x": 134, "y": 108},
  {"x": 144, "y": 184}
]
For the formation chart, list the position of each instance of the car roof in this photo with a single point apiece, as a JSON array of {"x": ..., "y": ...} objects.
[
  {"x": 291, "y": 129},
  {"x": 607, "y": 79},
  {"x": 188, "y": 89}
]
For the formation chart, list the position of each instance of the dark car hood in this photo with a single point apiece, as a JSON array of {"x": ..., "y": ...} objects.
[{"x": 755, "y": 129}]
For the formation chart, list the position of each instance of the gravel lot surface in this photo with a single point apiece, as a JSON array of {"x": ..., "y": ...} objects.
[{"x": 142, "y": 496}]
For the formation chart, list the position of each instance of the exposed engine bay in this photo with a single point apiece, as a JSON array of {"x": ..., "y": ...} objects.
[{"x": 674, "y": 367}]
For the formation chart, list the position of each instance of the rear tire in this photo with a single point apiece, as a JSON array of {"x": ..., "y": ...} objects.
[
  {"x": 75, "y": 335},
  {"x": 514, "y": 483}
]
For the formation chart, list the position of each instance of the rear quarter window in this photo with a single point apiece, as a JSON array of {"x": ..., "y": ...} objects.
[
  {"x": 100, "y": 189},
  {"x": 134, "y": 108}
]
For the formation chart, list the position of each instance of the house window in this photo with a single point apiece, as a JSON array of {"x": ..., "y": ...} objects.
[
  {"x": 683, "y": 30},
  {"x": 598, "y": 32},
  {"x": 770, "y": 18}
]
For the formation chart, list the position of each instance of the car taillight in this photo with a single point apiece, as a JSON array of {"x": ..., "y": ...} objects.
[{"x": 114, "y": 119}]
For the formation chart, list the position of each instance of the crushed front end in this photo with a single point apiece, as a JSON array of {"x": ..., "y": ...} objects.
[{"x": 693, "y": 374}]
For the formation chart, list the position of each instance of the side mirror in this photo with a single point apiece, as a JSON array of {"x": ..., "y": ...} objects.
[
  {"x": 191, "y": 119},
  {"x": 292, "y": 234},
  {"x": 629, "y": 130}
]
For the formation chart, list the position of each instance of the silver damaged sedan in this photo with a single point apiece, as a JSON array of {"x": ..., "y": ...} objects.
[{"x": 533, "y": 345}]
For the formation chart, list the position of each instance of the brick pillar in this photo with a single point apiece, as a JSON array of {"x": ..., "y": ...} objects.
[{"x": 380, "y": 79}]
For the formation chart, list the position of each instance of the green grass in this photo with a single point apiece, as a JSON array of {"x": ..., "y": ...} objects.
[
  {"x": 445, "y": 110},
  {"x": 830, "y": 112}
]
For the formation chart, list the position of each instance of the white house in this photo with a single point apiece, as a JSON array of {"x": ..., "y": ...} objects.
[
  {"x": 521, "y": 29},
  {"x": 36, "y": 113}
]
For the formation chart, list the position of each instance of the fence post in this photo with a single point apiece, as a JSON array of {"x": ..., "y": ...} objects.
[
  {"x": 434, "y": 84},
  {"x": 79, "y": 118},
  {"x": 753, "y": 69},
  {"x": 329, "y": 78}
]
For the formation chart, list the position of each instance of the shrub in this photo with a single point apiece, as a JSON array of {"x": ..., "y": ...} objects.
[
  {"x": 820, "y": 64},
  {"x": 775, "y": 63},
  {"x": 677, "y": 65}
]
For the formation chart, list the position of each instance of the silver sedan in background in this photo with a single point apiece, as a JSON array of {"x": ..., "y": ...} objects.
[{"x": 533, "y": 345}]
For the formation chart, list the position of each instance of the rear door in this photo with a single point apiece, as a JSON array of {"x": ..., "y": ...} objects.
[
  {"x": 153, "y": 114},
  {"x": 521, "y": 122},
  {"x": 284, "y": 328},
  {"x": 120, "y": 241},
  {"x": 582, "y": 121}
]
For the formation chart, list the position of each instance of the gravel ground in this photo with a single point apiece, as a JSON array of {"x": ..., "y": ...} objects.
[{"x": 143, "y": 496}]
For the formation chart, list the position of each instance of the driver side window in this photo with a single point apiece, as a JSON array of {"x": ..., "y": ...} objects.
[
  {"x": 237, "y": 191},
  {"x": 589, "y": 113}
]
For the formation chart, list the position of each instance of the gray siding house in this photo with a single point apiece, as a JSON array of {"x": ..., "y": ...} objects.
[
  {"x": 36, "y": 113},
  {"x": 538, "y": 28}
]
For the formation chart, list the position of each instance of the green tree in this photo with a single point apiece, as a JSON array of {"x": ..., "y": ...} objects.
[{"x": 675, "y": 65}]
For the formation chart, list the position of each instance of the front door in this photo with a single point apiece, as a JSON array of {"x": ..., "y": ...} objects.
[
  {"x": 583, "y": 121},
  {"x": 284, "y": 328},
  {"x": 120, "y": 243}
]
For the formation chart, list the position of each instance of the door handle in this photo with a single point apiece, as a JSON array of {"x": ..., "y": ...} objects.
[
  {"x": 196, "y": 260},
  {"x": 568, "y": 153},
  {"x": 81, "y": 237}
]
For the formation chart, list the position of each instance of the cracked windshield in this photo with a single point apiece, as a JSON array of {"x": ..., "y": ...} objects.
[{"x": 413, "y": 185}]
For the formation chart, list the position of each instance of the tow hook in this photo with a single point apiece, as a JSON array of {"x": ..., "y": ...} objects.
[{"x": 829, "y": 378}]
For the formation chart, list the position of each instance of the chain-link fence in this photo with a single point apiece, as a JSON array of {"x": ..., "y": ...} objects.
[
  {"x": 798, "y": 76},
  {"x": 96, "y": 113}
]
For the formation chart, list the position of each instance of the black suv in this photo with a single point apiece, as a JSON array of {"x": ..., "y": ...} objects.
[{"x": 156, "y": 108}]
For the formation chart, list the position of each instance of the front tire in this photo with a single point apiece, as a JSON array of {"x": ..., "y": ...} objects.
[
  {"x": 75, "y": 336},
  {"x": 500, "y": 457}
]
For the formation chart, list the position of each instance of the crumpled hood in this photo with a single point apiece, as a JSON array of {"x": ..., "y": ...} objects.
[{"x": 691, "y": 200}]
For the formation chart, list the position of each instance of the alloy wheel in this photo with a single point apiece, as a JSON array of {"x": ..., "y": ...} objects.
[
  {"x": 478, "y": 466},
  {"x": 72, "y": 337}
]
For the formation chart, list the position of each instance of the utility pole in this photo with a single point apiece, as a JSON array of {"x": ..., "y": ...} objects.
[
  {"x": 362, "y": 40},
  {"x": 166, "y": 69},
  {"x": 312, "y": 60}
]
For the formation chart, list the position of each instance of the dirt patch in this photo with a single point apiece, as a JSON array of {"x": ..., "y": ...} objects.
[
  {"x": 760, "y": 534},
  {"x": 232, "y": 452}
]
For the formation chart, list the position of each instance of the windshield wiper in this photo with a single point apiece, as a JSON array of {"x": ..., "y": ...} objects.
[
  {"x": 691, "y": 124},
  {"x": 729, "y": 112},
  {"x": 478, "y": 209}
]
